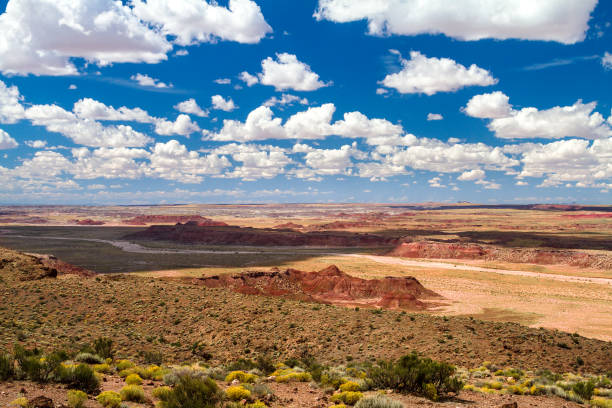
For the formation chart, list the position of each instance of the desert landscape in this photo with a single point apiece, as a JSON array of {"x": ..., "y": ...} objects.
[{"x": 322, "y": 289}]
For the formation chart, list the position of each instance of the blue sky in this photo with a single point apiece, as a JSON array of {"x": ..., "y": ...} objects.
[{"x": 183, "y": 101}]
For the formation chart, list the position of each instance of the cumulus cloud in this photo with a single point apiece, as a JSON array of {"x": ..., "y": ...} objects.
[
  {"x": 490, "y": 106},
  {"x": 6, "y": 141},
  {"x": 256, "y": 161},
  {"x": 285, "y": 99},
  {"x": 476, "y": 174},
  {"x": 223, "y": 81},
  {"x": 581, "y": 161},
  {"x": 192, "y": 22},
  {"x": 286, "y": 72},
  {"x": 11, "y": 110},
  {"x": 85, "y": 132},
  {"x": 425, "y": 75},
  {"x": 564, "y": 21},
  {"x": 434, "y": 116},
  {"x": 173, "y": 161},
  {"x": 218, "y": 102},
  {"x": 47, "y": 41},
  {"x": 36, "y": 144},
  {"x": 313, "y": 123},
  {"x": 147, "y": 81},
  {"x": 248, "y": 79},
  {"x": 577, "y": 120},
  {"x": 606, "y": 60},
  {"x": 88, "y": 108},
  {"x": 190, "y": 106},
  {"x": 326, "y": 162},
  {"x": 183, "y": 125}
]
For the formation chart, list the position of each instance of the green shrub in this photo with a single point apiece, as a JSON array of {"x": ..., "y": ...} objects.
[
  {"x": 76, "y": 398},
  {"x": 133, "y": 393},
  {"x": 109, "y": 399},
  {"x": 237, "y": 393},
  {"x": 88, "y": 358},
  {"x": 162, "y": 392},
  {"x": 124, "y": 365},
  {"x": 104, "y": 347},
  {"x": 153, "y": 357},
  {"x": 32, "y": 365},
  {"x": 256, "y": 404},
  {"x": 81, "y": 377},
  {"x": 192, "y": 391},
  {"x": 601, "y": 403},
  {"x": 430, "y": 392},
  {"x": 7, "y": 367},
  {"x": 133, "y": 379},
  {"x": 20, "y": 402},
  {"x": 411, "y": 374},
  {"x": 378, "y": 401},
  {"x": 102, "y": 368},
  {"x": 584, "y": 389},
  {"x": 241, "y": 376},
  {"x": 347, "y": 397},
  {"x": 350, "y": 386}
]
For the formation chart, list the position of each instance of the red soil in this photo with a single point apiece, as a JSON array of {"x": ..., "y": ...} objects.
[
  {"x": 171, "y": 219},
  {"x": 64, "y": 268},
  {"x": 339, "y": 225},
  {"x": 444, "y": 250},
  {"x": 329, "y": 285},
  {"x": 191, "y": 232}
]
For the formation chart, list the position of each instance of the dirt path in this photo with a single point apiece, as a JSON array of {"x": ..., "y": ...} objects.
[{"x": 443, "y": 265}]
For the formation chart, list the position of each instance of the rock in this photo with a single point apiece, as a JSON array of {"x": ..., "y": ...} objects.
[
  {"x": 509, "y": 405},
  {"x": 235, "y": 382},
  {"x": 41, "y": 402}
]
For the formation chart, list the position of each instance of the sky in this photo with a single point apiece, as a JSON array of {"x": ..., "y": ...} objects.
[{"x": 255, "y": 101}]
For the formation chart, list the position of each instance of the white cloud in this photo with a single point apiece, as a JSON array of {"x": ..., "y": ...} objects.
[
  {"x": 6, "y": 141},
  {"x": 606, "y": 60},
  {"x": 313, "y": 123},
  {"x": 435, "y": 182},
  {"x": 434, "y": 116},
  {"x": 247, "y": 78},
  {"x": 425, "y": 75},
  {"x": 11, "y": 110},
  {"x": 42, "y": 37},
  {"x": 476, "y": 174},
  {"x": 108, "y": 163},
  {"x": 193, "y": 22},
  {"x": 72, "y": 87},
  {"x": 492, "y": 105},
  {"x": 190, "y": 106},
  {"x": 183, "y": 125},
  {"x": 328, "y": 162},
  {"x": 564, "y": 21},
  {"x": 145, "y": 80},
  {"x": 85, "y": 132},
  {"x": 218, "y": 102},
  {"x": 256, "y": 161},
  {"x": 88, "y": 108},
  {"x": 223, "y": 81},
  {"x": 577, "y": 120},
  {"x": 381, "y": 91},
  {"x": 36, "y": 144},
  {"x": 172, "y": 161},
  {"x": 287, "y": 72},
  {"x": 286, "y": 99},
  {"x": 587, "y": 163},
  {"x": 259, "y": 125}
]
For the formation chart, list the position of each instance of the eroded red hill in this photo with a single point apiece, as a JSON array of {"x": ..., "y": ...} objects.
[
  {"x": 329, "y": 285},
  {"x": 445, "y": 250},
  {"x": 192, "y": 232},
  {"x": 171, "y": 219}
]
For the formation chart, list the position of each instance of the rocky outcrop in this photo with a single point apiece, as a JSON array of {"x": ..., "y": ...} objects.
[
  {"x": 192, "y": 232},
  {"x": 329, "y": 285},
  {"x": 288, "y": 225},
  {"x": 543, "y": 256},
  {"x": 171, "y": 219},
  {"x": 89, "y": 221}
]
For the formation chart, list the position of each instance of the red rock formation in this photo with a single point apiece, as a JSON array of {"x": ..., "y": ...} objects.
[
  {"x": 288, "y": 225},
  {"x": 88, "y": 221},
  {"x": 588, "y": 216},
  {"x": 543, "y": 256},
  {"x": 171, "y": 219},
  {"x": 191, "y": 232},
  {"x": 329, "y": 285}
]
